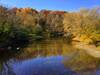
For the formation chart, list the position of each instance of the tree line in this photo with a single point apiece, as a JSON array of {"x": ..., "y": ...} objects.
[{"x": 19, "y": 26}]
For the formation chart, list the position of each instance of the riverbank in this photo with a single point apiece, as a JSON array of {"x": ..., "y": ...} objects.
[{"x": 89, "y": 49}]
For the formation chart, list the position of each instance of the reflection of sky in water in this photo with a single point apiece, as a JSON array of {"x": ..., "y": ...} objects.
[
  {"x": 97, "y": 72},
  {"x": 42, "y": 66}
]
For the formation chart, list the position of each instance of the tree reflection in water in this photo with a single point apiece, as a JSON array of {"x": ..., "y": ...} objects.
[
  {"x": 63, "y": 56},
  {"x": 6, "y": 62},
  {"x": 46, "y": 48}
]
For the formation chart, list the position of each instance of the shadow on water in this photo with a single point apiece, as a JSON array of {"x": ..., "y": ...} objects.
[
  {"x": 5, "y": 61},
  {"x": 43, "y": 58},
  {"x": 47, "y": 57},
  {"x": 52, "y": 65}
]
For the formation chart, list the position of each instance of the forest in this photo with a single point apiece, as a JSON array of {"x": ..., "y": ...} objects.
[{"x": 21, "y": 26}]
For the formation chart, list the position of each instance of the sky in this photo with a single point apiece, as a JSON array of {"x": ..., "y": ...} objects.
[{"x": 66, "y": 5}]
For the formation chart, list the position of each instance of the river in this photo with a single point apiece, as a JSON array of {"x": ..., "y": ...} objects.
[{"x": 48, "y": 57}]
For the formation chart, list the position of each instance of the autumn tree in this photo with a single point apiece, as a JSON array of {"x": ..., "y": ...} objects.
[
  {"x": 11, "y": 34},
  {"x": 83, "y": 24},
  {"x": 54, "y": 24}
]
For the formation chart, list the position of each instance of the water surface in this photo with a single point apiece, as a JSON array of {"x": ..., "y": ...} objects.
[{"x": 43, "y": 58}]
